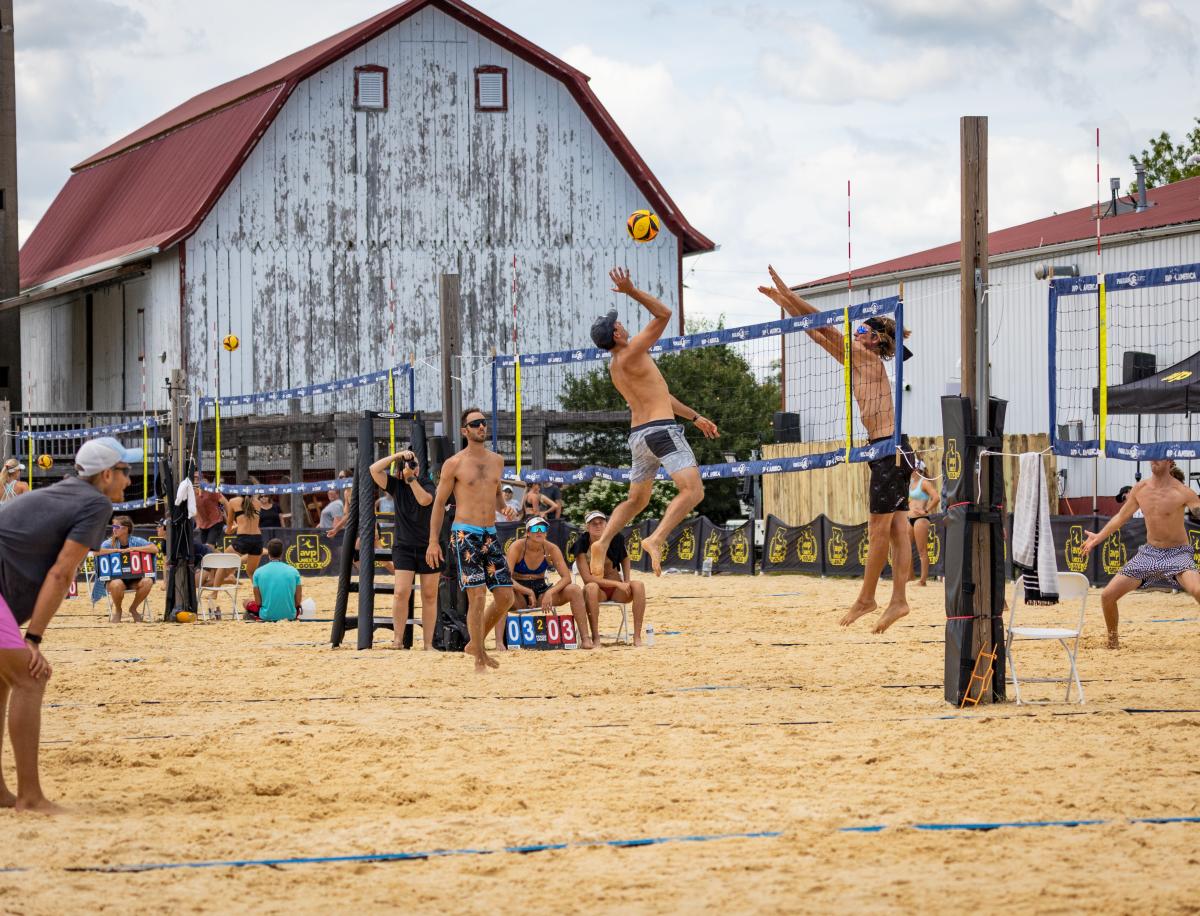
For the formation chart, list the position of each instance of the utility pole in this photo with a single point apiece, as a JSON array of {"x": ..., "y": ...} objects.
[
  {"x": 449, "y": 310},
  {"x": 10, "y": 276}
]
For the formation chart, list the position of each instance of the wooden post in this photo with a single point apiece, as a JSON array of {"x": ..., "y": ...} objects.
[
  {"x": 10, "y": 285},
  {"x": 243, "y": 464},
  {"x": 5, "y": 431},
  {"x": 449, "y": 307},
  {"x": 973, "y": 274},
  {"x": 296, "y": 473}
]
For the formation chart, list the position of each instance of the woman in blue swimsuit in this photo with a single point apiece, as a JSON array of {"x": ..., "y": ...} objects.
[
  {"x": 923, "y": 500},
  {"x": 530, "y": 558}
]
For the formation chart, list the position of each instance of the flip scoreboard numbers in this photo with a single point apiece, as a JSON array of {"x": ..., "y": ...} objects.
[
  {"x": 566, "y": 627},
  {"x": 528, "y": 632},
  {"x": 540, "y": 631},
  {"x": 553, "y": 632},
  {"x": 124, "y": 565},
  {"x": 512, "y": 631}
]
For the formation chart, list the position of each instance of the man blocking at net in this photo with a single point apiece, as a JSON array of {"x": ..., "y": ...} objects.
[
  {"x": 655, "y": 438},
  {"x": 1167, "y": 555},
  {"x": 874, "y": 341}
]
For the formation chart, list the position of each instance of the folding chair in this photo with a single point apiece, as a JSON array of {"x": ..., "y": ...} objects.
[
  {"x": 218, "y": 561},
  {"x": 622, "y": 635},
  {"x": 1071, "y": 587}
]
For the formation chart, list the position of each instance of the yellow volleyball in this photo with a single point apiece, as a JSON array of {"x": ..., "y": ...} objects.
[
  {"x": 642, "y": 225},
  {"x": 231, "y": 342}
]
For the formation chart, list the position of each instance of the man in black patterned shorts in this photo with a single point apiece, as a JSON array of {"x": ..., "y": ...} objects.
[
  {"x": 874, "y": 342},
  {"x": 1167, "y": 555}
]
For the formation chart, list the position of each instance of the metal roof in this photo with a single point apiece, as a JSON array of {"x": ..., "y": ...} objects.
[
  {"x": 1170, "y": 205},
  {"x": 154, "y": 186}
]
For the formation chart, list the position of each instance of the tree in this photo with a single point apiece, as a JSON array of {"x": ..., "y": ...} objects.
[
  {"x": 718, "y": 382},
  {"x": 1167, "y": 161}
]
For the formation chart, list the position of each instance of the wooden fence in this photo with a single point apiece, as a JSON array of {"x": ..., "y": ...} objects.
[{"x": 840, "y": 492}]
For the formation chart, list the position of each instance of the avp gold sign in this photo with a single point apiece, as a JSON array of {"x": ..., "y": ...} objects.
[
  {"x": 837, "y": 549},
  {"x": 1178, "y": 376},
  {"x": 777, "y": 549},
  {"x": 1073, "y": 554},
  {"x": 864, "y": 547},
  {"x": 739, "y": 548},
  {"x": 685, "y": 547},
  {"x": 1195, "y": 538},
  {"x": 1113, "y": 554},
  {"x": 933, "y": 547},
  {"x": 953, "y": 460},
  {"x": 806, "y": 546},
  {"x": 712, "y": 547},
  {"x": 635, "y": 545},
  {"x": 308, "y": 553}
]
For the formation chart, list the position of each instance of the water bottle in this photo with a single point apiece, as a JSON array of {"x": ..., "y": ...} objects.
[
  {"x": 706, "y": 568},
  {"x": 649, "y": 636}
]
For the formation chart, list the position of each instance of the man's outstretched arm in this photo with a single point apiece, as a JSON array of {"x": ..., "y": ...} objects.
[
  {"x": 705, "y": 425},
  {"x": 795, "y": 305},
  {"x": 648, "y": 336}
]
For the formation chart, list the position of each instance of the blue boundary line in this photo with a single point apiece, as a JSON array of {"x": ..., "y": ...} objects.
[{"x": 1002, "y": 825}]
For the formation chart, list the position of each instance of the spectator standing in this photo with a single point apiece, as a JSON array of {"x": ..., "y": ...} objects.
[
  {"x": 553, "y": 493},
  {"x": 333, "y": 516},
  {"x": 210, "y": 515},
  {"x": 538, "y": 503},
  {"x": 11, "y": 484},
  {"x": 124, "y": 541}
]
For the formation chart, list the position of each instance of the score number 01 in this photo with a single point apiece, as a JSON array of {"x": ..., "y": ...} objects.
[{"x": 120, "y": 565}]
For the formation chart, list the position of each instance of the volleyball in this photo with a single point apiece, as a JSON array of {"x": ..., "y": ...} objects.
[
  {"x": 642, "y": 225},
  {"x": 231, "y": 342},
  {"x": 45, "y": 462},
  {"x": 184, "y": 617}
]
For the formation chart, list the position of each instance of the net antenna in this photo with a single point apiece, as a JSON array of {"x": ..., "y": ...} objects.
[
  {"x": 1102, "y": 319},
  {"x": 846, "y": 336}
]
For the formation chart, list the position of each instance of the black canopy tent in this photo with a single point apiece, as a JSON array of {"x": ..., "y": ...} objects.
[{"x": 1175, "y": 389}]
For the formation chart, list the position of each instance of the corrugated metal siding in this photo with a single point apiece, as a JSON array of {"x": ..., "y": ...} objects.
[
  {"x": 340, "y": 221},
  {"x": 1019, "y": 324}
]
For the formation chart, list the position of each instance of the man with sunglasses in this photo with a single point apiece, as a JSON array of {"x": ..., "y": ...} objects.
[
  {"x": 655, "y": 439},
  {"x": 472, "y": 479},
  {"x": 874, "y": 342},
  {"x": 44, "y": 536}
]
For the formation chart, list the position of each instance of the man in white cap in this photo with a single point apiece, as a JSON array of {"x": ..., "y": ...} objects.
[{"x": 44, "y": 536}]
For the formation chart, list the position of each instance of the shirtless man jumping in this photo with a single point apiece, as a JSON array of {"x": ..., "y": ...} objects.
[
  {"x": 655, "y": 438},
  {"x": 874, "y": 341},
  {"x": 473, "y": 477},
  {"x": 1167, "y": 554}
]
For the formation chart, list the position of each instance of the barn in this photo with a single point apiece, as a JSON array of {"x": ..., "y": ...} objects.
[
  {"x": 1161, "y": 232},
  {"x": 309, "y": 208}
]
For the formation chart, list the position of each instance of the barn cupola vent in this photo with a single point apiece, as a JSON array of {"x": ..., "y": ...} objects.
[
  {"x": 491, "y": 89},
  {"x": 370, "y": 88}
]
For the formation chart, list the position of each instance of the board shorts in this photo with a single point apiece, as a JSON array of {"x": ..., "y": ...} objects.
[
  {"x": 1163, "y": 564},
  {"x": 411, "y": 559},
  {"x": 889, "y": 480},
  {"x": 10, "y": 630},
  {"x": 248, "y": 545},
  {"x": 659, "y": 442},
  {"x": 481, "y": 562}
]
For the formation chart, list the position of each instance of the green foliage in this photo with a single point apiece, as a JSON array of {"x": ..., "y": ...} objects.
[
  {"x": 1167, "y": 161},
  {"x": 716, "y": 381},
  {"x": 606, "y": 494}
]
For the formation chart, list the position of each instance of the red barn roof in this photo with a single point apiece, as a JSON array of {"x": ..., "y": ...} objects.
[
  {"x": 1170, "y": 205},
  {"x": 154, "y": 187}
]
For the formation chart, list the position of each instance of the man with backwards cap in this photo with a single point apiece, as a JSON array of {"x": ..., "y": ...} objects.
[
  {"x": 43, "y": 538},
  {"x": 655, "y": 438}
]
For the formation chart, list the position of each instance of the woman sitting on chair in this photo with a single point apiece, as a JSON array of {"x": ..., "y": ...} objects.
[
  {"x": 616, "y": 583},
  {"x": 923, "y": 500},
  {"x": 530, "y": 558}
]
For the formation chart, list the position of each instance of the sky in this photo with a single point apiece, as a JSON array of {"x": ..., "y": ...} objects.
[{"x": 753, "y": 115}]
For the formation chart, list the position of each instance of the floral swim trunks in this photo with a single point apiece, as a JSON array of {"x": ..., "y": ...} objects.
[{"x": 481, "y": 562}]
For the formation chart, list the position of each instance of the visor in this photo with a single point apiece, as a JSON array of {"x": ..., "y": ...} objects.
[{"x": 594, "y": 514}]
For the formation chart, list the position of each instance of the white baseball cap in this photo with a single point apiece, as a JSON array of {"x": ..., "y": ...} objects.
[
  {"x": 98, "y": 455},
  {"x": 13, "y": 464},
  {"x": 594, "y": 514}
]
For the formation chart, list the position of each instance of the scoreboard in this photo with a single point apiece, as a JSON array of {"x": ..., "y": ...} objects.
[{"x": 125, "y": 565}]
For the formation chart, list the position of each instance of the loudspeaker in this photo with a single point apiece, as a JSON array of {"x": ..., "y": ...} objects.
[
  {"x": 1136, "y": 366},
  {"x": 787, "y": 426},
  {"x": 439, "y": 452}
]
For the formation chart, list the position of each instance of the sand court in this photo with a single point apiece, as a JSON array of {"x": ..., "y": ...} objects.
[{"x": 754, "y": 714}]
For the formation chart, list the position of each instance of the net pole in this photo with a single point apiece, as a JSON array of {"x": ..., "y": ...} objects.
[
  {"x": 145, "y": 434},
  {"x": 846, "y": 335},
  {"x": 1102, "y": 317},
  {"x": 495, "y": 405},
  {"x": 517, "y": 364},
  {"x": 392, "y": 408},
  {"x": 29, "y": 434}
]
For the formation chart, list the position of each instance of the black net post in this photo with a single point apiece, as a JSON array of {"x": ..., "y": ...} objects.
[{"x": 362, "y": 527}]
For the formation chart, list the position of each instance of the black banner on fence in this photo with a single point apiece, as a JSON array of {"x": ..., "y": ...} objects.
[
  {"x": 845, "y": 548},
  {"x": 729, "y": 549},
  {"x": 799, "y": 549}
]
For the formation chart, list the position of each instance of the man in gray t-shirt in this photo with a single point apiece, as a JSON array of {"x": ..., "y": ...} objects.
[{"x": 44, "y": 536}]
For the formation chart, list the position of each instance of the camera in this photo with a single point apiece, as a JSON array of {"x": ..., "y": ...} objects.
[{"x": 411, "y": 464}]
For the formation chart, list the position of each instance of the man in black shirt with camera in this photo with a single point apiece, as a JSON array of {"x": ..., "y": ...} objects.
[{"x": 413, "y": 496}]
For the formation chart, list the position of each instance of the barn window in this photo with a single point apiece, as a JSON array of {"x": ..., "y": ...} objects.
[
  {"x": 370, "y": 88},
  {"x": 491, "y": 89}
]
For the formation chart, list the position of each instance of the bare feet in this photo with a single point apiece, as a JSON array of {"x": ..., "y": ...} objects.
[
  {"x": 637, "y": 641},
  {"x": 114, "y": 617},
  {"x": 137, "y": 618},
  {"x": 586, "y": 643},
  {"x": 40, "y": 805},
  {"x": 653, "y": 549},
  {"x": 596, "y": 558},
  {"x": 858, "y": 609},
  {"x": 481, "y": 657},
  {"x": 1113, "y": 642},
  {"x": 7, "y": 799},
  {"x": 893, "y": 613},
  {"x": 923, "y": 583}
]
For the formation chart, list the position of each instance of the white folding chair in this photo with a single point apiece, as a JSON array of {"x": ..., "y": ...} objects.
[
  {"x": 220, "y": 561},
  {"x": 622, "y": 635},
  {"x": 1071, "y": 587}
]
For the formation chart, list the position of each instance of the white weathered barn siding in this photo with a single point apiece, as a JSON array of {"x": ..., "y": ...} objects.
[
  {"x": 52, "y": 352},
  {"x": 340, "y": 220},
  {"x": 1019, "y": 316}
]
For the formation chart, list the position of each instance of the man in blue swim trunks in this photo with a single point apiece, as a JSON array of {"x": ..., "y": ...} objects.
[{"x": 473, "y": 478}]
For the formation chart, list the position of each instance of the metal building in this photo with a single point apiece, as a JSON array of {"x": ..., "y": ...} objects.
[
  {"x": 1165, "y": 233},
  {"x": 310, "y": 206}
]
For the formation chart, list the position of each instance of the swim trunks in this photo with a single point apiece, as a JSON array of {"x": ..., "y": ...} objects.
[
  {"x": 1159, "y": 563},
  {"x": 10, "y": 632},
  {"x": 480, "y": 560},
  {"x": 659, "y": 442},
  {"x": 889, "y": 479}
]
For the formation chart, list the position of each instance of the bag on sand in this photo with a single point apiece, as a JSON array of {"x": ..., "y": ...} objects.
[{"x": 450, "y": 633}]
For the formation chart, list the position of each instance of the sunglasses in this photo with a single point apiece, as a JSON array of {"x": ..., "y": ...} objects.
[
  {"x": 475, "y": 424},
  {"x": 538, "y": 529},
  {"x": 863, "y": 329}
]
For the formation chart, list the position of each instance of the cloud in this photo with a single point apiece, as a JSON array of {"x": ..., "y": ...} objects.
[
  {"x": 823, "y": 69},
  {"x": 74, "y": 24}
]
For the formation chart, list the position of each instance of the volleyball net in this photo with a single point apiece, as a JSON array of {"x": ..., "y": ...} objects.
[
  {"x": 1124, "y": 358},
  {"x": 562, "y": 408}
]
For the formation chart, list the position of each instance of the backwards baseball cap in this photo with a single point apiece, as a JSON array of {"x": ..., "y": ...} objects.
[
  {"x": 506, "y": 489},
  {"x": 602, "y": 330},
  {"x": 881, "y": 326},
  {"x": 98, "y": 455},
  {"x": 593, "y": 515}
]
